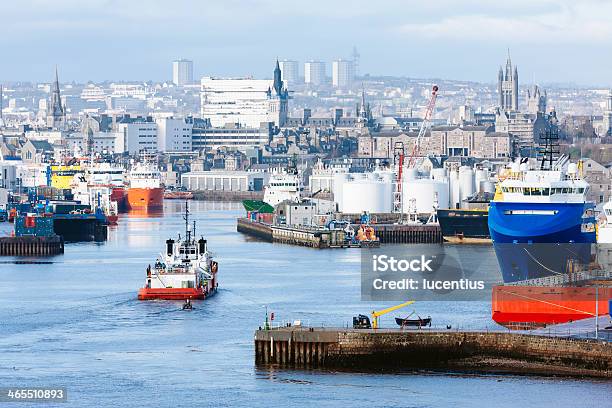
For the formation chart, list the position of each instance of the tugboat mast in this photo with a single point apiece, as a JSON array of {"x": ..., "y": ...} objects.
[{"x": 186, "y": 218}]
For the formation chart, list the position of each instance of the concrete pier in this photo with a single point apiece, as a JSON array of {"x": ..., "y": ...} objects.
[
  {"x": 320, "y": 238},
  {"x": 430, "y": 349},
  {"x": 223, "y": 195},
  {"x": 31, "y": 246},
  {"x": 409, "y": 234}
]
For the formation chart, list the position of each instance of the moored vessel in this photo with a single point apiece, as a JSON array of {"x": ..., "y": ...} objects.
[
  {"x": 524, "y": 306},
  {"x": 284, "y": 185},
  {"x": 540, "y": 220},
  {"x": 145, "y": 190},
  {"x": 468, "y": 226},
  {"x": 186, "y": 270},
  {"x": 112, "y": 176},
  {"x": 178, "y": 195},
  {"x": 543, "y": 230}
]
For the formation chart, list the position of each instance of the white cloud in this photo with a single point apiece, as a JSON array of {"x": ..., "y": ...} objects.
[{"x": 570, "y": 24}]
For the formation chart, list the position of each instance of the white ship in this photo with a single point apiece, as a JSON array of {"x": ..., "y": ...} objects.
[
  {"x": 604, "y": 238},
  {"x": 604, "y": 228},
  {"x": 283, "y": 185}
]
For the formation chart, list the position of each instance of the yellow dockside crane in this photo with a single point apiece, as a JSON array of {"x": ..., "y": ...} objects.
[{"x": 363, "y": 322}]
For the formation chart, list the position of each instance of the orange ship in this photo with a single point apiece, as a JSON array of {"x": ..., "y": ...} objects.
[
  {"x": 539, "y": 306},
  {"x": 145, "y": 190},
  {"x": 145, "y": 198}
]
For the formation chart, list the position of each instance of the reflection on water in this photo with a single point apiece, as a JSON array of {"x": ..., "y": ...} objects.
[
  {"x": 145, "y": 213},
  {"x": 76, "y": 322}
]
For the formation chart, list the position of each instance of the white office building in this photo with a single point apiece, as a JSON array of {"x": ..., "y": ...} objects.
[
  {"x": 343, "y": 73},
  {"x": 314, "y": 72},
  {"x": 174, "y": 135},
  {"x": 224, "y": 180},
  {"x": 182, "y": 72},
  {"x": 233, "y": 137},
  {"x": 289, "y": 71},
  {"x": 244, "y": 101},
  {"x": 137, "y": 135}
]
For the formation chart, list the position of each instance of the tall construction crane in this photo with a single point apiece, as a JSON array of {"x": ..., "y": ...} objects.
[
  {"x": 425, "y": 126},
  {"x": 399, "y": 155}
]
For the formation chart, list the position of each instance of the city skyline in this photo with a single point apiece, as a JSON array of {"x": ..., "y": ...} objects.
[{"x": 108, "y": 40}]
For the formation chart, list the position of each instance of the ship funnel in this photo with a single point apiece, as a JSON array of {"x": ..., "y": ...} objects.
[
  {"x": 202, "y": 244},
  {"x": 169, "y": 245}
]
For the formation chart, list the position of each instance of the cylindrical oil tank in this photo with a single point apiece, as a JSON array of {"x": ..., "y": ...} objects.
[
  {"x": 338, "y": 182},
  {"x": 386, "y": 175},
  {"x": 362, "y": 194},
  {"x": 480, "y": 175},
  {"x": 466, "y": 182},
  {"x": 425, "y": 192},
  {"x": 439, "y": 173},
  {"x": 410, "y": 173},
  {"x": 454, "y": 189}
]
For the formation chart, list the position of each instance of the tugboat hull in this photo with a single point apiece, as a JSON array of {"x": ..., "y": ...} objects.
[{"x": 171, "y": 293}]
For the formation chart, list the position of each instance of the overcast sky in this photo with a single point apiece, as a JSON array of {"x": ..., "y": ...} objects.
[{"x": 550, "y": 41}]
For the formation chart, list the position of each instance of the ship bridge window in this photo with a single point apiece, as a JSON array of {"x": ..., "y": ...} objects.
[
  {"x": 531, "y": 212},
  {"x": 536, "y": 191}
]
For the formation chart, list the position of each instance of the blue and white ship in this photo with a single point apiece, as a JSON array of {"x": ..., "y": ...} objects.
[{"x": 540, "y": 220}]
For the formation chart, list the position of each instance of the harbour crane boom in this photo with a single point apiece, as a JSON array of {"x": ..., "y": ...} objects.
[
  {"x": 425, "y": 125},
  {"x": 377, "y": 314}
]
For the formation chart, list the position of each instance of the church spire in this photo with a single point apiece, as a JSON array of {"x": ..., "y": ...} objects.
[
  {"x": 56, "y": 116},
  {"x": 363, "y": 113},
  {"x": 278, "y": 83}
]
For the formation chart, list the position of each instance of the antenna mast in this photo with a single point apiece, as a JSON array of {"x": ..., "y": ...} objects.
[{"x": 186, "y": 218}]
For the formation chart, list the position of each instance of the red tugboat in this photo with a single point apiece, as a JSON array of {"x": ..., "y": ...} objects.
[{"x": 186, "y": 270}]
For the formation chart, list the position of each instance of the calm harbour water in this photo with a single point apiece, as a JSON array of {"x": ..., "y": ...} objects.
[{"x": 76, "y": 322}]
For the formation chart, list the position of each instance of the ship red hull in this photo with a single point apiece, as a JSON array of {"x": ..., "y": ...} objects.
[
  {"x": 171, "y": 293},
  {"x": 118, "y": 194},
  {"x": 539, "y": 306},
  {"x": 145, "y": 198}
]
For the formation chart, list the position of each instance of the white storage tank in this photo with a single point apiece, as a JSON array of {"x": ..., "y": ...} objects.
[
  {"x": 338, "y": 182},
  {"x": 410, "y": 173},
  {"x": 480, "y": 175},
  {"x": 466, "y": 182},
  {"x": 367, "y": 194},
  {"x": 454, "y": 189},
  {"x": 439, "y": 174},
  {"x": 424, "y": 192}
]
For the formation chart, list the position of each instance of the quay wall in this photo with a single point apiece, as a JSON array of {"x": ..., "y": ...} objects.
[
  {"x": 316, "y": 238},
  {"x": 424, "y": 349},
  {"x": 31, "y": 246},
  {"x": 220, "y": 195},
  {"x": 256, "y": 229}
]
